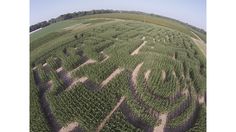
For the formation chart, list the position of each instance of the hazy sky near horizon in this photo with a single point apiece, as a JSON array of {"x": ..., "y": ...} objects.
[{"x": 189, "y": 11}]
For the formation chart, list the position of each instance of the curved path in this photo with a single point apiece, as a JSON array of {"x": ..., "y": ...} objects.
[{"x": 160, "y": 128}]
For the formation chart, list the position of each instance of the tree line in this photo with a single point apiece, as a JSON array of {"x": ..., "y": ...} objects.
[{"x": 68, "y": 16}]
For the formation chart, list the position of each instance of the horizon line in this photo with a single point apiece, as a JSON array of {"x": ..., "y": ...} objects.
[{"x": 120, "y": 12}]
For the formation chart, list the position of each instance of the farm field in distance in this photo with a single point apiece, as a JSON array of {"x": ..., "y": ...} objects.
[{"x": 118, "y": 72}]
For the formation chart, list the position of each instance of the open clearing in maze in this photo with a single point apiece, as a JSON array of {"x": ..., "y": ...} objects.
[{"x": 111, "y": 74}]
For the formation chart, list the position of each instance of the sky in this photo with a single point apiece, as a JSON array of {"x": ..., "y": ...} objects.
[{"x": 189, "y": 11}]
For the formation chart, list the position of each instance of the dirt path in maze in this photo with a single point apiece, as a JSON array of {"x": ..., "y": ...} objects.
[
  {"x": 106, "y": 57},
  {"x": 196, "y": 36},
  {"x": 135, "y": 74},
  {"x": 75, "y": 81},
  {"x": 45, "y": 64},
  {"x": 135, "y": 96},
  {"x": 201, "y": 99},
  {"x": 200, "y": 43},
  {"x": 163, "y": 75},
  {"x": 137, "y": 50},
  {"x": 110, "y": 114},
  {"x": 65, "y": 76},
  {"x": 174, "y": 74},
  {"x": 89, "y": 61},
  {"x": 114, "y": 74},
  {"x": 160, "y": 128},
  {"x": 146, "y": 75},
  {"x": 70, "y": 127},
  {"x": 185, "y": 92}
]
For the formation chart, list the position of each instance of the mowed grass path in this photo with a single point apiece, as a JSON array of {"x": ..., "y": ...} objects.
[
  {"x": 59, "y": 26},
  {"x": 52, "y": 28}
]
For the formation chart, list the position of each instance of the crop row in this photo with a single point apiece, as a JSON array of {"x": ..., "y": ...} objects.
[
  {"x": 43, "y": 76},
  {"x": 86, "y": 107},
  {"x": 200, "y": 124},
  {"x": 96, "y": 72},
  {"x": 38, "y": 122},
  {"x": 164, "y": 88},
  {"x": 183, "y": 117},
  {"x": 54, "y": 63},
  {"x": 136, "y": 108}
]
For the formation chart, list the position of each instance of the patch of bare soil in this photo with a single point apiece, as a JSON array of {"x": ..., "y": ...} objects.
[
  {"x": 82, "y": 79},
  {"x": 143, "y": 38},
  {"x": 146, "y": 75},
  {"x": 34, "y": 68},
  {"x": 110, "y": 114},
  {"x": 174, "y": 74},
  {"x": 89, "y": 61},
  {"x": 185, "y": 92},
  {"x": 65, "y": 76},
  {"x": 45, "y": 64},
  {"x": 75, "y": 81},
  {"x": 160, "y": 128},
  {"x": 196, "y": 36},
  {"x": 201, "y": 99},
  {"x": 173, "y": 57},
  {"x": 48, "y": 85},
  {"x": 114, "y": 74},
  {"x": 163, "y": 75},
  {"x": 59, "y": 69},
  {"x": 106, "y": 57},
  {"x": 201, "y": 45},
  {"x": 135, "y": 74},
  {"x": 70, "y": 127},
  {"x": 137, "y": 50}
]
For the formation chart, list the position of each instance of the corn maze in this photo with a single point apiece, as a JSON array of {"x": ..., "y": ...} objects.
[{"x": 117, "y": 76}]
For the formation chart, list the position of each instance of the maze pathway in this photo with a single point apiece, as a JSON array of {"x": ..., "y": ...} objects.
[
  {"x": 114, "y": 74},
  {"x": 106, "y": 57},
  {"x": 70, "y": 127},
  {"x": 135, "y": 74},
  {"x": 110, "y": 114},
  {"x": 137, "y": 50},
  {"x": 146, "y": 75},
  {"x": 161, "y": 127},
  {"x": 89, "y": 61}
]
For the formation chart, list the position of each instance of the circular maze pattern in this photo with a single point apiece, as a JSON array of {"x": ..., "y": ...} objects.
[{"x": 118, "y": 75}]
